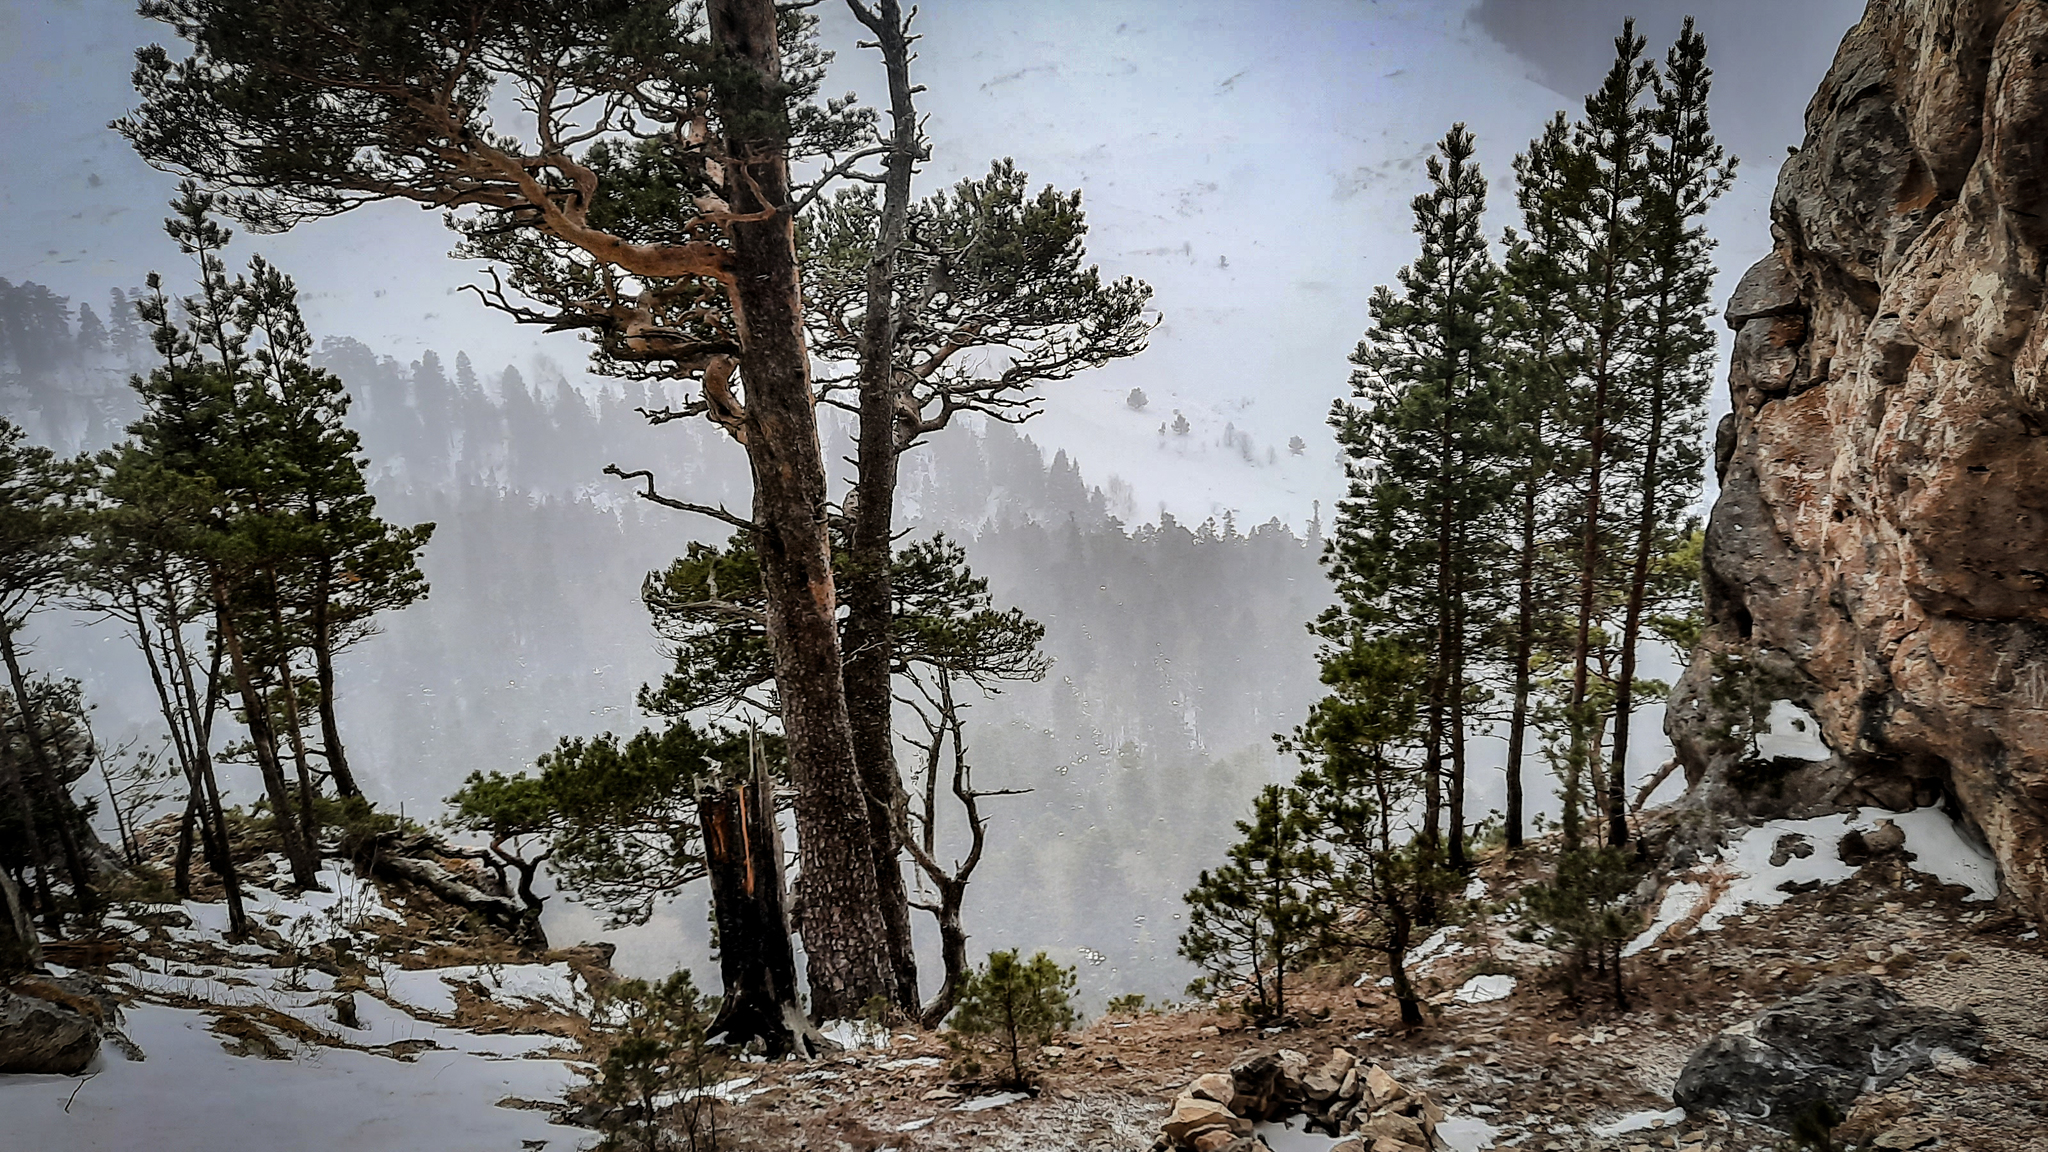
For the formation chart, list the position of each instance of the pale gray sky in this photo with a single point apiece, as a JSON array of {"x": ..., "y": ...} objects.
[{"x": 1252, "y": 161}]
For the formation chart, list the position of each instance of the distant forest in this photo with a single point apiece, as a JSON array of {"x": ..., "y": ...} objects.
[{"x": 1177, "y": 651}]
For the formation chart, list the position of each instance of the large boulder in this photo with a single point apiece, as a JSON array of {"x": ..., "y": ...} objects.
[
  {"x": 43, "y": 1035},
  {"x": 1845, "y": 1036},
  {"x": 1875, "y": 555}
]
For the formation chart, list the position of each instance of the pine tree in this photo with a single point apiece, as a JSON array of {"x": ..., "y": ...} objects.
[
  {"x": 1423, "y": 442},
  {"x": 38, "y": 523},
  {"x": 1604, "y": 233},
  {"x": 1686, "y": 172},
  {"x": 1532, "y": 337},
  {"x": 1254, "y": 918},
  {"x": 1358, "y": 747},
  {"x": 138, "y": 566},
  {"x": 1020, "y": 1004},
  {"x": 243, "y": 445},
  {"x": 653, "y": 208},
  {"x": 348, "y": 565}
]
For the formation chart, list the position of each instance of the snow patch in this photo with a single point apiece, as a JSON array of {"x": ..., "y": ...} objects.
[
  {"x": 1791, "y": 731},
  {"x": 1467, "y": 1134},
  {"x": 191, "y": 1095},
  {"x": 851, "y": 1034},
  {"x": 1939, "y": 847},
  {"x": 1290, "y": 1136},
  {"x": 993, "y": 1100},
  {"x": 1638, "y": 1121},
  {"x": 1484, "y": 989}
]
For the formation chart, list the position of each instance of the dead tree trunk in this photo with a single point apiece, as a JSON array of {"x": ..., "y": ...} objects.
[{"x": 743, "y": 858}]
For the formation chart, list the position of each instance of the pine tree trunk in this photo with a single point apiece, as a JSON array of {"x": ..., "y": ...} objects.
[
  {"x": 46, "y": 779},
  {"x": 1525, "y": 642},
  {"x": 1457, "y": 857},
  {"x": 1397, "y": 971},
  {"x": 1589, "y": 572},
  {"x": 305, "y": 870},
  {"x": 1440, "y": 686},
  {"x": 323, "y": 667},
  {"x": 199, "y": 709},
  {"x": 866, "y": 586},
  {"x": 181, "y": 870},
  {"x": 309, "y": 822},
  {"x": 1632, "y": 625},
  {"x": 952, "y": 954},
  {"x": 844, "y": 928}
]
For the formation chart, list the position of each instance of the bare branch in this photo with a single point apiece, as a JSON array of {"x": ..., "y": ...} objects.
[{"x": 649, "y": 493}]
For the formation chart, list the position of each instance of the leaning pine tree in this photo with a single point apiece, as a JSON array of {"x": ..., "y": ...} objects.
[
  {"x": 634, "y": 184},
  {"x": 1412, "y": 554}
]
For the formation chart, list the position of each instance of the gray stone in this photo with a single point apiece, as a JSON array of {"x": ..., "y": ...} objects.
[
  {"x": 1845, "y": 1036},
  {"x": 38, "y": 1035}
]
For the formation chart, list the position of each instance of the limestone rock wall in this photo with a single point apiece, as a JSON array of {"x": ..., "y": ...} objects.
[{"x": 1879, "y": 550}]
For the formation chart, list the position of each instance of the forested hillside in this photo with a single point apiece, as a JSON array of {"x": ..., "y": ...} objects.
[{"x": 1177, "y": 651}]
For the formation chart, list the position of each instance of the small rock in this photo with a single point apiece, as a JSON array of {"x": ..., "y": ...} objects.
[
  {"x": 1393, "y": 1126},
  {"x": 1791, "y": 846},
  {"x": 1213, "y": 1086},
  {"x": 1191, "y": 1115},
  {"x": 1905, "y": 1136},
  {"x": 38, "y": 1035},
  {"x": 1382, "y": 1089}
]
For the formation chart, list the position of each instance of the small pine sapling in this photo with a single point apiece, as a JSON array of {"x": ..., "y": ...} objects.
[
  {"x": 655, "y": 1051},
  {"x": 1018, "y": 1005},
  {"x": 1381, "y": 882},
  {"x": 1254, "y": 918},
  {"x": 1586, "y": 908}
]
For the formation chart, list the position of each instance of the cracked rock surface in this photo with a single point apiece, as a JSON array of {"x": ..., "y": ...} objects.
[{"x": 1878, "y": 553}]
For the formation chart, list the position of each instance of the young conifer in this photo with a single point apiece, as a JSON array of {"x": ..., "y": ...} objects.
[{"x": 1422, "y": 438}]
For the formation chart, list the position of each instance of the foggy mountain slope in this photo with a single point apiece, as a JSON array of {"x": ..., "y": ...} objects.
[{"x": 1176, "y": 651}]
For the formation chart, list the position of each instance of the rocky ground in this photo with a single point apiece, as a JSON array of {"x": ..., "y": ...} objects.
[
  {"x": 1546, "y": 1066},
  {"x": 359, "y": 1011}
]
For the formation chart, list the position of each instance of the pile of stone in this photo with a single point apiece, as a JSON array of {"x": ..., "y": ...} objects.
[{"x": 1342, "y": 1097}]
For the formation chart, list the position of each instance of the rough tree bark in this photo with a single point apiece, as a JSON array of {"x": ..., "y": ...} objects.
[
  {"x": 870, "y": 514},
  {"x": 845, "y": 931},
  {"x": 305, "y": 869},
  {"x": 323, "y": 668}
]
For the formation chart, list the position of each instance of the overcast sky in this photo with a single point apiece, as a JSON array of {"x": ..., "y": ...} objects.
[{"x": 1253, "y": 162}]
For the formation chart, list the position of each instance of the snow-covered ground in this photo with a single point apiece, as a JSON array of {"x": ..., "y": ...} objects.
[
  {"x": 1744, "y": 876},
  {"x": 404, "y": 1077},
  {"x": 191, "y": 1095}
]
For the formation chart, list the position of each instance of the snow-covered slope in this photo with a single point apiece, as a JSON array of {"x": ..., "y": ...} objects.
[{"x": 245, "y": 1044}]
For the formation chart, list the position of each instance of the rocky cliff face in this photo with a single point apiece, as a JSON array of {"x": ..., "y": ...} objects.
[{"x": 1879, "y": 551}]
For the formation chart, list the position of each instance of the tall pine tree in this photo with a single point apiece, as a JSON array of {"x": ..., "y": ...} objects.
[
  {"x": 1410, "y": 557},
  {"x": 1686, "y": 171}
]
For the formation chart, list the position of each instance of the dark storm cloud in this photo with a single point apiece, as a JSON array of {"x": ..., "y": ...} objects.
[{"x": 1778, "y": 49}]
